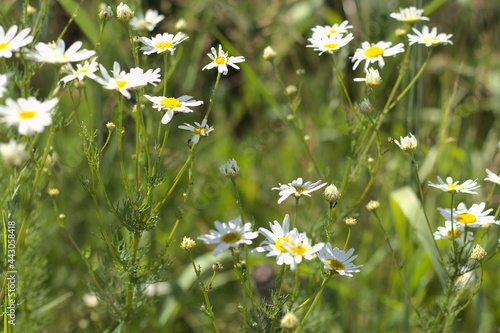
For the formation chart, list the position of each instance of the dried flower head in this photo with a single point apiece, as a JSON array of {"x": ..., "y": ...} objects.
[{"x": 187, "y": 243}]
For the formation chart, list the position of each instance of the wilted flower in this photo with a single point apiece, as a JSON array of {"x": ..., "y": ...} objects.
[
  {"x": 372, "y": 78},
  {"x": 106, "y": 14},
  {"x": 289, "y": 321},
  {"x": 351, "y": 221}
]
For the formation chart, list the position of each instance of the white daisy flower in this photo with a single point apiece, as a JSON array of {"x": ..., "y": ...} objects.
[
  {"x": 140, "y": 79},
  {"x": 372, "y": 77},
  {"x": 329, "y": 44},
  {"x": 9, "y": 42},
  {"x": 162, "y": 43},
  {"x": 4, "y": 82},
  {"x": 82, "y": 71},
  {"x": 230, "y": 169},
  {"x": 29, "y": 115},
  {"x": 454, "y": 187},
  {"x": 408, "y": 143},
  {"x": 13, "y": 153},
  {"x": 328, "y": 30},
  {"x": 297, "y": 188},
  {"x": 338, "y": 260},
  {"x": 409, "y": 15},
  {"x": 57, "y": 54},
  {"x": 199, "y": 130},
  {"x": 146, "y": 22},
  {"x": 221, "y": 60},
  {"x": 473, "y": 217},
  {"x": 229, "y": 235},
  {"x": 375, "y": 52},
  {"x": 429, "y": 38},
  {"x": 299, "y": 248},
  {"x": 274, "y": 238},
  {"x": 457, "y": 234},
  {"x": 492, "y": 177},
  {"x": 173, "y": 105}
]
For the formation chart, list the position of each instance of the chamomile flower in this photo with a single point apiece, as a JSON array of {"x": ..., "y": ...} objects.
[
  {"x": 492, "y": 177},
  {"x": 199, "y": 130},
  {"x": 429, "y": 38},
  {"x": 229, "y": 234},
  {"x": 221, "y": 60},
  {"x": 9, "y": 42},
  {"x": 230, "y": 169},
  {"x": 147, "y": 21},
  {"x": 173, "y": 105},
  {"x": 328, "y": 30},
  {"x": 457, "y": 234},
  {"x": 162, "y": 43},
  {"x": 274, "y": 238},
  {"x": 57, "y": 54},
  {"x": 375, "y": 52},
  {"x": 371, "y": 79},
  {"x": 473, "y": 217},
  {"x": 329, "y": 44},
  {"x": 408, "y": 143},
  {"x": 29, "y": 115},
  {"x": 454, "y": 187},
  {"x": 409, "y": 15},
  {"x": 338, "y": 261},
  {"x": 82, "y": 71},
  {"x": 13, "y": 153},
  {"x": 297, "y": 188},
  {"x": 4, "y": 82},
  {"x": 299, "y": 248}
]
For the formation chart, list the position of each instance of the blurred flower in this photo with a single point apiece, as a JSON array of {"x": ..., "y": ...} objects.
[
  {"x": 162, "y": 43},
  {"x": 30, "y": 10},
  {"x": 289, "y": 321},
  {"x": 291, "y": 89},
  {"x": 229, "y": 235},
  {"x": 57, "y": 54},
  {"x": 156, "y": 288},
  {"x": 409, "y": 15},
  {"x": 408, "y": 143},
  {"x": 297, "y": 188},
  {"x": 373, "y": 205},
  {"x": 106, "y": 14},
  {"x": 400, "y": 32},
  {"x": 478, "y": 254},
  {"x": 199, "y": 130},
  {"x": 217, "y": 267},
  {"x": 269, "y": 53},
  {"x": 124, "y": 13},
  {"x": 365, "y": 106},
  {"x": 375, "y": 52},
  {"x": 457, "y": 234},
  {"x": 429, "y": 38},
  {"x": 82, "y": 71},
  {"x": 331, "y": 193},
  {"x": 473, "y": 217},
  {"x": 372, "y": 78},
  {"x": 187, "y": 243},
  {"x": 230, "y": 169},
  {"x": 299, "y": 248},
  {"x": 492, "y": 177},
  {"x": 221, "y": 60},
  {"x": 454, "y": 187},
  {"x": 29, "y": 115},
  {"x": 110, "y": 126},
  {"x": 351, "y": 221},
  {"x": 13, "y": 154},
  {"x": 338, "y": 261},
  {"x": 173, "y": 105},
  {"x": 4, "y": 82},
  {"x": 90, "y": 300},
  {"x": 146, "y": 22},
  {"x": 329, "y": 44},
  {"x": 9, "y": 42},
  {"x": 53, "y": 192},
  {"x": 465, "y": 279},
  {"x": 327, "y": 30}
]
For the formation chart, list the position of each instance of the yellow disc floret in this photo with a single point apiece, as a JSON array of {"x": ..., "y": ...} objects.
[
  {"x": 231, "y": 237},
  {"x": 27, "y": 114},
  {"x": 170, "y": 103},
  {"x": 335, "y": 265},
  {"x": 220, "y": 60},
  {"x": 466, "y": 218},
  {"x": 331, "y": 46},
  {"x": 374, "y": 52},
  {"x": 279, "y": 245},
  {"x": 163, "y": 45}
]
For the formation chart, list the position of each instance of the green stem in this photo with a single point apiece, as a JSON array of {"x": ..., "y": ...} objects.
[
  {"x": 316, "y": 299},
  {"x": 347, "y": 240},
  {"x": 213, "y": 96},
  {"x": 131, "y": 283},
  {"x": 341, "y": 82},
  {"x": 296, "y": 210},
  {"x": 165, "y": 77},
  {"x": 120, "y": 136},
  {"x": 70, "y": 20}
]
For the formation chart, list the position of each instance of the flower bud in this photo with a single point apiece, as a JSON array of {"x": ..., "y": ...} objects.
[
  {"x": 269, "y": 53},
  {"x": 372, "y": 205},
  {"x": 124, "y": 13},
  {"x": 289, "y": 321},
  {"x": 479, "y": 253},
  {"x": 351, "y": 221},
  {"x": 187, "y": 243},
  {"x": 106, "y": 14},
  {"x": 230, "y": 169}
]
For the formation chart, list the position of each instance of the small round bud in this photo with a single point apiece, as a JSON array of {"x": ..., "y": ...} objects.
[
  {"x": 62, "y": 217},
  {"x": 181, "y": 24},
  {"x": 124, "y": 13},
  {"x": 230, "y": 169},
  {"x": 217, "y": 267},
  {"x": 269, "y": 53},
  {"x": 478, "y": 253},
  {"x": 300, "y": 71},
  {"x": 53, "y": 192},
  {"x": 370, "y": 160},
  {"x": 30, "y": 10},
  {"x": 289, "y": 321},
  {"x": 187, "y": 243},
  {"x": 307, "y": 138},
  {"x": 106, "y": 14},
  {"x": 331, "y": 193},
  {"x": 351, "y": 221},
  {"x": 372, "y": 205},
  {"x": 111, "y": 126},
  {"x": 365, "y": 106},
  {"x": 291, "y": 90},
  {"x": 290, "y": 117},
  {"x": 203, "y": 308},
  {"x": 400, "y": 32}
]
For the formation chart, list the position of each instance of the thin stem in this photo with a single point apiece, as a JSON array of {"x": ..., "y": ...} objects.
[
  {"x": 120, "y": 136},
  {"x": 131, "y": 283},
  {"x": 296, "y": 210},
  {"x": 70, "y": 20},
  {"x": 341, "y": 82},
  {"x": 165, "y": 77},
  {"x": 347, "y": 240},
  {"x": 323, "y": 284},
  {"x": 213, "y": 96}
]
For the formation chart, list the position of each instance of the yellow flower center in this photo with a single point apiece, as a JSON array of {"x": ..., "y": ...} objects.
[
  {"x": 374, "y": 52},
  {"x": 335, "y": 265},
  {"x": 455, "y": 187},
  {"x": 331, "y": 32},
  {"x": 300, "y": 189},
  {"x": 201, "y": 131},
  {"x": 221, "y": 60},
  {"x": 456, "y": 233},
  {"x": 466, "y": 218},
  {"x": 27, "y": 114},
  {"x": 330, "y": 46},
  {"x": 121, "y": 84},
  {"x": 3, "y": 46},
  {"x": 431, "y": 40},
  {"x": 170, "y": 103},
  {"x": 279, "y": 246},
  {"x": 231, "y": 237},
  {"x": 163, "y": 45},
  {"x": 83, "y": 70},
  {"x": 298, "y": 250}
]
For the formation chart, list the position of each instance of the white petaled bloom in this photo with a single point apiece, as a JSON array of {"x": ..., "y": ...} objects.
[
  {"x": 478, "y": 253},
  {"x": 329, "y": 30},
  {"x": 4, "y": 82},
  {"x": 372, "y": 77},
  {"x": 82, "y": 71},
  {"x": 331, "y": 193},
  {"x": 492, "y": 177},
  {"x": 162, "y": 43},
  {"x": 29, "y": 115},
  {"x": 329, "y": 44},
  {"x": 338, "y": 260},
  {"x": 457, "y": 234},
  {"x": 299, "y": 248},
  {"x": 13, "y": 153},
  {"x": 140, "y": 78},
  {"x": 173, "y": 105},
  {"x": 409, "y": 15},
  {"x": 473, "y": 217},
  {"x": 229, "y": 234},
  {"x": 156, "y": 288},
  {"x": 429, "y": 38},
  {"x": 375, "y": 52},
  {"x": 221, "y": 60},
  {"x": 273, "y": 244},
  {"x": 408, "y": 143},
  {"x": 297, "y": 188},
  {"x": 230, "y": 169},
  {"x": 198, "y": 129},
  {"x": 9, "y": 42},
  {"x": 53, "y": 53},
  {"x": 124, "y": 13},
  {"x": 147, "y": 21},
  {"x": 454, "y": 187}
]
